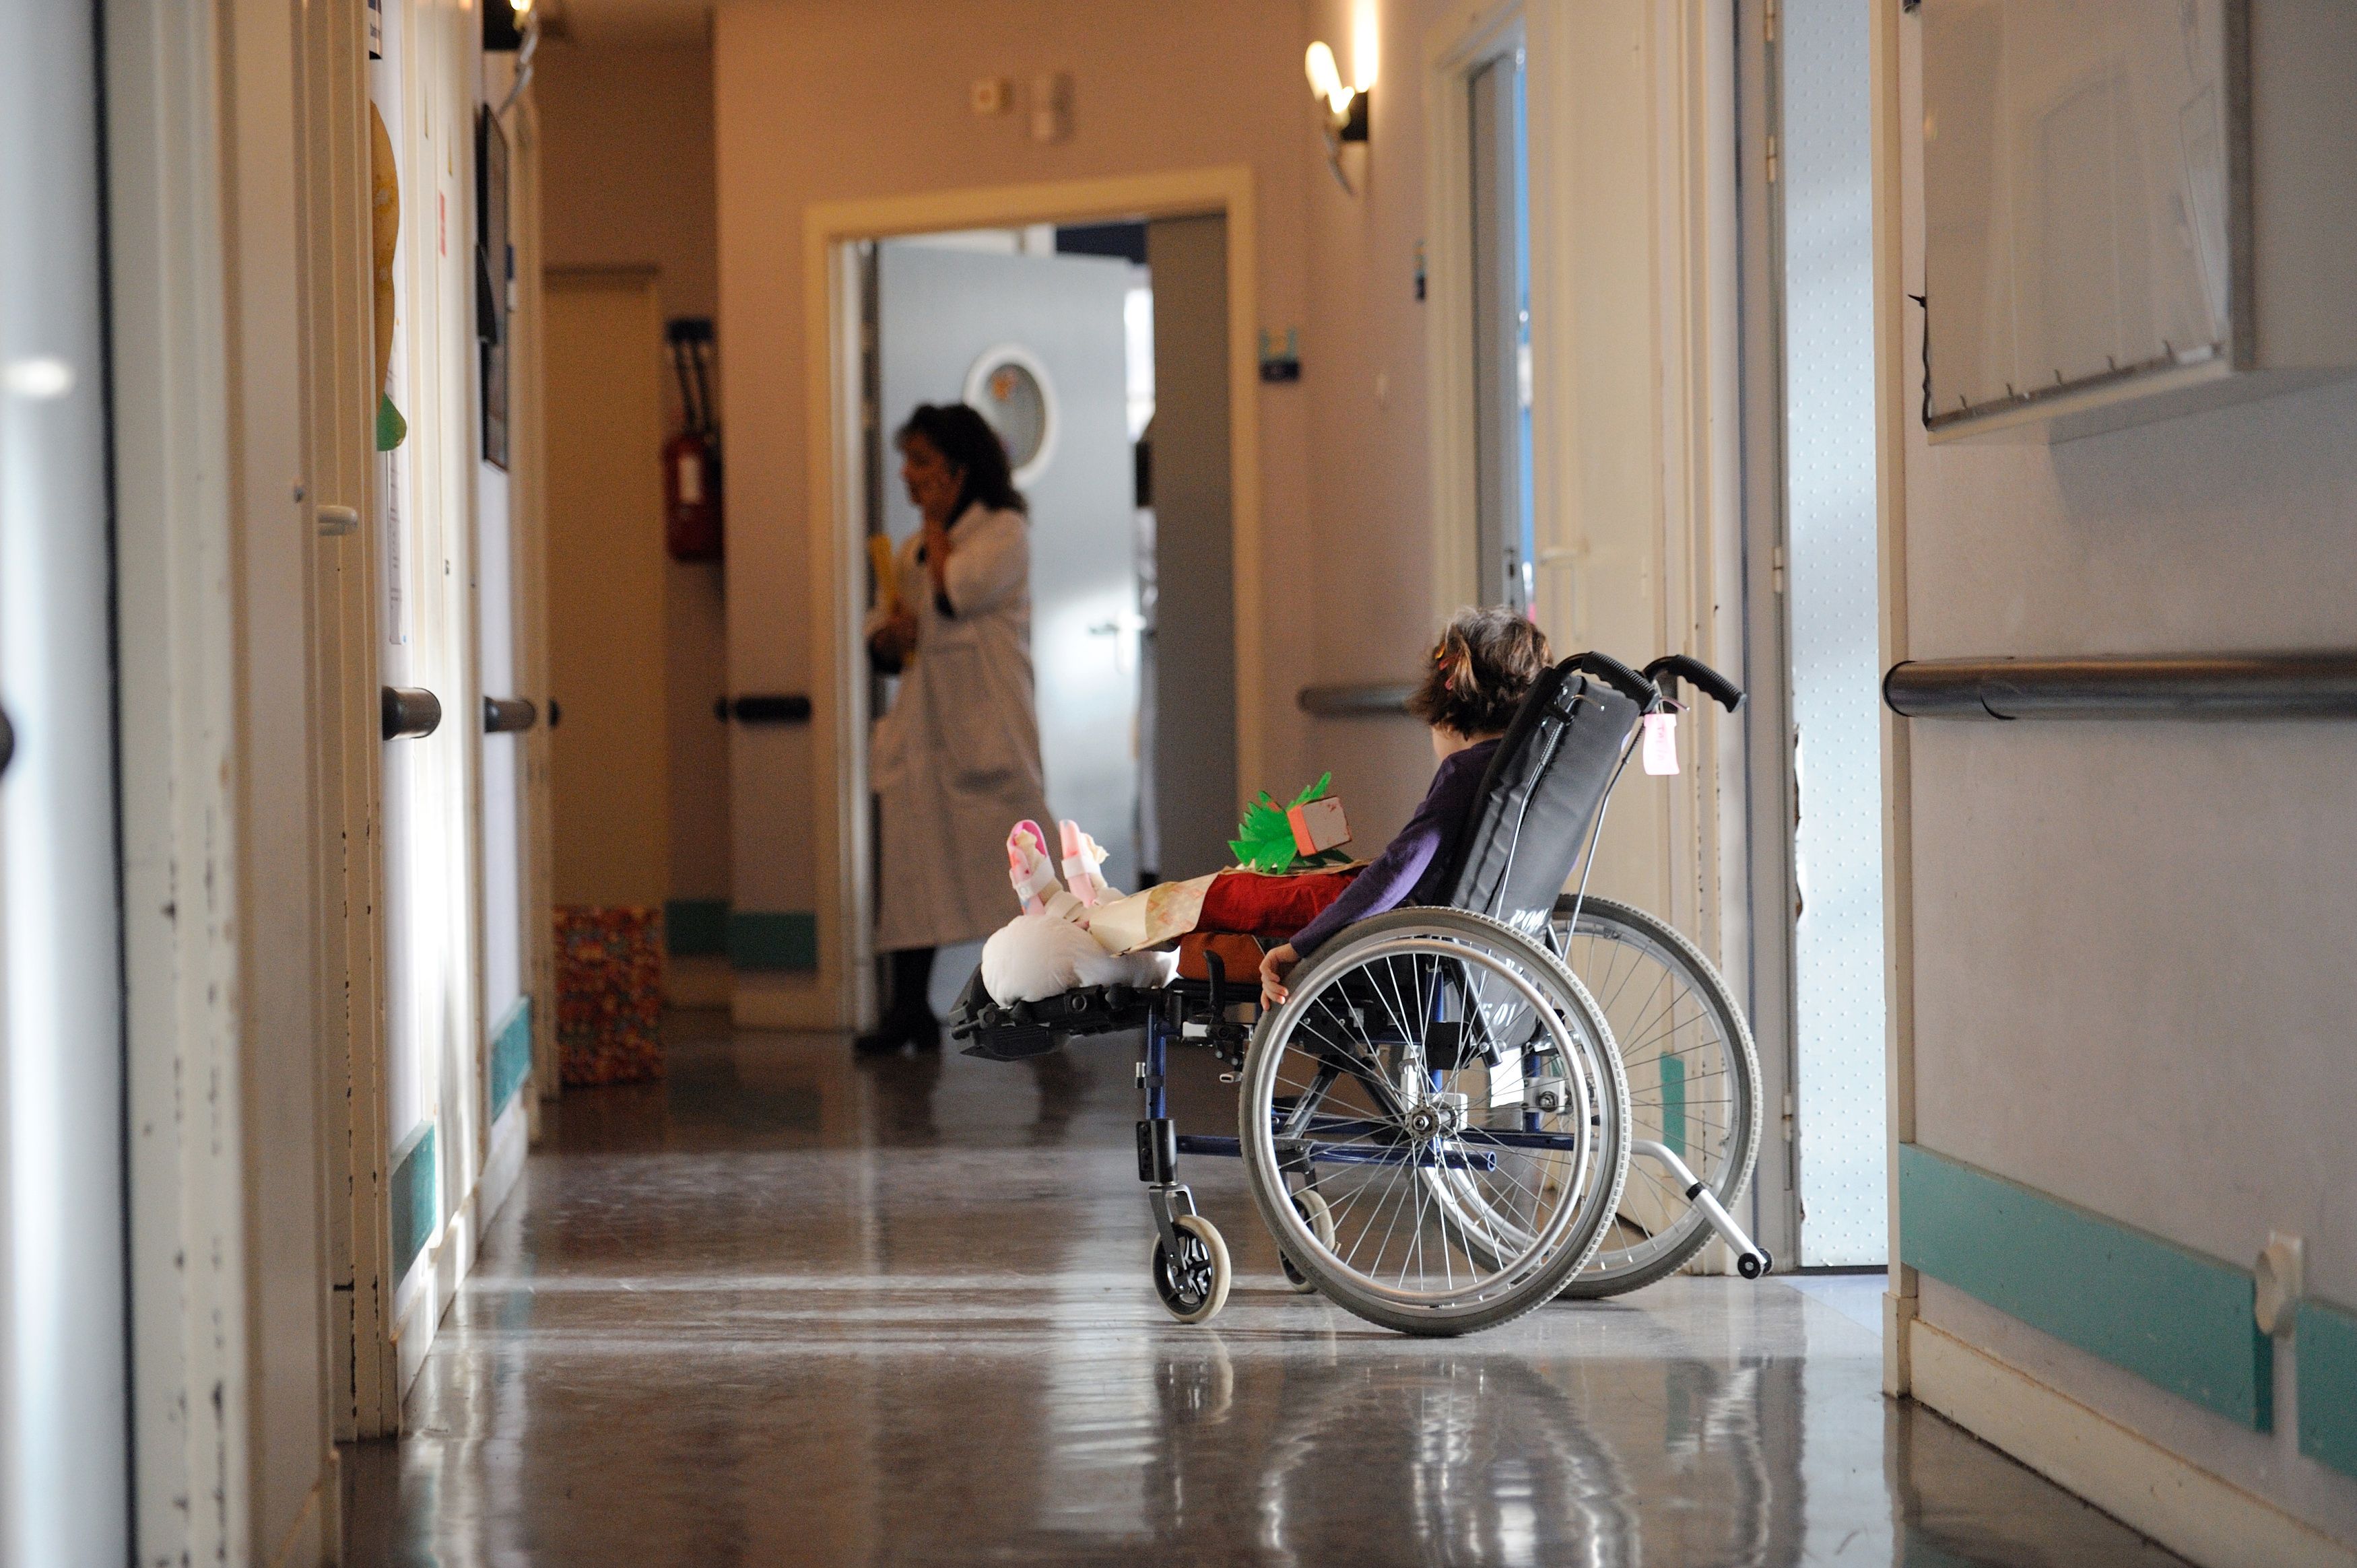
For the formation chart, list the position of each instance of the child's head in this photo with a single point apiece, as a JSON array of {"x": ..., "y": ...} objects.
[{"x": 1481, "y": 669}]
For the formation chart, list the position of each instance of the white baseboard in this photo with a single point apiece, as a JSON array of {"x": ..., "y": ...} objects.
[
  {"x": 2198, "y": 1515},
  {"x": 510, "y": 1141}
]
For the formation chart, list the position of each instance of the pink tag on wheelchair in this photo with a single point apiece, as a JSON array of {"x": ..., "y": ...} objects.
[{"x": 1661, "y": 743}]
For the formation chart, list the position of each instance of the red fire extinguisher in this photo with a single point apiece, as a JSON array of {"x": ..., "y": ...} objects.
[{"x": 692, "y": 458}]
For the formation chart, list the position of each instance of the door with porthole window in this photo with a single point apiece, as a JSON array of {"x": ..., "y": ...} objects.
[{"x": 1037, "y": 344}]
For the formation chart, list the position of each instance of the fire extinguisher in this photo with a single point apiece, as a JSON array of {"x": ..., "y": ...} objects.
[{"x": 692, "y": 458}]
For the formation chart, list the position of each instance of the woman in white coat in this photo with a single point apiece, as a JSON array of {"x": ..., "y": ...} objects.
[{"x": 955, "y": 763}]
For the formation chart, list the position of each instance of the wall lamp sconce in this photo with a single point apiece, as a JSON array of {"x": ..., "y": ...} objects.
[
  {"x": 1344, "y": 109},
  {"x": 504, "y": 25}
]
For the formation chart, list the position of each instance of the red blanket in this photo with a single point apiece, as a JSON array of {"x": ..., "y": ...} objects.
[{"x": 1252, "y": 903}]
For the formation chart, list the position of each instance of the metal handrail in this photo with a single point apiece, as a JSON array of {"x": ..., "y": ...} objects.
[
  {"x": 408, "y": 712},
  {"x": 764, "y": 708},
  {"x": 1366, "y": 700},
  {"x": 2188, "y": 686},
  {"x": 508, "y": 715}
]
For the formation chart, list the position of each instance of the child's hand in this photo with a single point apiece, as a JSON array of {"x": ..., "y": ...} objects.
[{"x": 1274, "y": 965}]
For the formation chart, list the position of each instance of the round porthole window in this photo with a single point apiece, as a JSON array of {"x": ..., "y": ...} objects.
[{"x": 1009, "y": 388}]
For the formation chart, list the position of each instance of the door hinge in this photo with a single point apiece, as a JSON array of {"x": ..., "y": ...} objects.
[
  {"x": 1770, "y": 31},
  {"x": 1788, "y": 1118},
  {"x": 1776, "y": 569},
  {"x": 1772, "y": 160}
]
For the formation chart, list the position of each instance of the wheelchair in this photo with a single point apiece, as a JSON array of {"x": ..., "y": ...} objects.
[{"x": 1463, "y": 1110}]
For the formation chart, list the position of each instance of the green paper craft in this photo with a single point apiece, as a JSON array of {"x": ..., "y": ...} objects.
[
  {"x": 1263, "y": 840},
  {"x": 392, "y": 430}
]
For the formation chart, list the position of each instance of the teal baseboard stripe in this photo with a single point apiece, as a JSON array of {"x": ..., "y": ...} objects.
[
  {"x": 2171, "y": 1316},
  {"x": 2325, "y": 1346},
  {"x": 696, "y": 927},
  {"x": 764, "y": 939},
  {"x": 415, "y": 1197},
  {"x": 511, "y": 1056}
]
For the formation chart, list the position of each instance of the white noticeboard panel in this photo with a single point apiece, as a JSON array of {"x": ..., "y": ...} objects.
[{"x": 2134, "y": 209}]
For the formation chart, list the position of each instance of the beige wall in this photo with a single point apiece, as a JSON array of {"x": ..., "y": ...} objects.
[
  {"x": 831, "y": 99},
  {"x": 609, "y": 760},
  {"x": 630, "y": 182},
  {"x": 2131, "y": 939}
]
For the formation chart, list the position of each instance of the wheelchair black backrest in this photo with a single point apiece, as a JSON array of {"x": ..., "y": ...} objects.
[{"x": 1539, "y": 798}]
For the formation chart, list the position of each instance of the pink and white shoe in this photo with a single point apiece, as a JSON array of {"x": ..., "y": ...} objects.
[
  {"x": 1033, "y": 875},
  {"x": 1083, "y": 856}
]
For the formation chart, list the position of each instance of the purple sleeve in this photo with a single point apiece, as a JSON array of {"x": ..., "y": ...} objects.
[{"x": 1392, "y": 875}]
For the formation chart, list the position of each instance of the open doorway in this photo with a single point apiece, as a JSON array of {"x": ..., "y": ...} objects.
[{"x": 1102, "y": 352}]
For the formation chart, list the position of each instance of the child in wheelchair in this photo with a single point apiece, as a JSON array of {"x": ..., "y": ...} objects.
[{"x": 1476, "y": 677}]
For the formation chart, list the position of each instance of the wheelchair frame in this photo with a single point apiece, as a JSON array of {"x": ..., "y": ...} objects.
[{"x": 1205, "y": 1012}]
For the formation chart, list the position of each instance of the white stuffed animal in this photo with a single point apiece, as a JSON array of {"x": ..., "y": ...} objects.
[{"x": 1034, "y": 956}]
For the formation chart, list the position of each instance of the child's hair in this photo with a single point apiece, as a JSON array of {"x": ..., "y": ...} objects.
[{"x": 1481, "y": 669}]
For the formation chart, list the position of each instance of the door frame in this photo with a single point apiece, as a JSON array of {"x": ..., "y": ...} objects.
[
  {"x": 838, "y": 550},
  {"x": 1454, "y": 50}
]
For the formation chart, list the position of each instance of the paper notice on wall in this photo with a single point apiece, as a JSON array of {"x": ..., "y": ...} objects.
[{"x": 376, "y": 30}]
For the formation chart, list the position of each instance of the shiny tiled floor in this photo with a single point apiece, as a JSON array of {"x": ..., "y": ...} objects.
[{"x": 784, "y": 1309}]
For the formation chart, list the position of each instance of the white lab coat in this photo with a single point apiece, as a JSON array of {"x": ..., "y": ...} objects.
[{"x": 955, "y": 763}]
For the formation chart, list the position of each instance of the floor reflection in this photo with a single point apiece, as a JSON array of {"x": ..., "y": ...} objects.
[{"x": 782, "y": 1309}]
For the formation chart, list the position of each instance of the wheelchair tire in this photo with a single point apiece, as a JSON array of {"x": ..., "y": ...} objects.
[
  {"x": 1341, "y": 1078},
  {"x": 1670, "y": 1007},
  {"x": 1195, "y": 1289},
  {"x": 1321, "y": 1221}
]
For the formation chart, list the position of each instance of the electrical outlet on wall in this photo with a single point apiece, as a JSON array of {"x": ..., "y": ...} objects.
[{"x": 2277, "y": 1276}]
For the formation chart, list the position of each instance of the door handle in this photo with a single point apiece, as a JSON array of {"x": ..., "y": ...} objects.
[
  {"x": 410, "y": 712},
  {"x": 7, "y": 742},
  {"x": 507, "y": 715}
]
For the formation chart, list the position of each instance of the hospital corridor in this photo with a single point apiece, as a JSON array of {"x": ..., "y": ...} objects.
[{"x": 1296, "y": 782}]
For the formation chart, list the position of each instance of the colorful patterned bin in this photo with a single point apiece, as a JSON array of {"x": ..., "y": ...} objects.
[{"x": 609, "y": 994}]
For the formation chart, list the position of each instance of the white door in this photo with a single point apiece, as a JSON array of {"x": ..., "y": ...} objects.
[
  {"x": 1039, "y": 345},
  {"x": 63, "y": 1494}
]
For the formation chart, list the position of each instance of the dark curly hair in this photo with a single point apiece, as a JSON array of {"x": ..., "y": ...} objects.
[
  {"x": 1481, "y": 669},
  {"x": 968, "y": 444}
]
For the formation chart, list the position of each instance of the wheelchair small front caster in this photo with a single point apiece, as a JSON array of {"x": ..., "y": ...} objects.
[
  {"x": 1193, "y": 1286},
  {"x": 1312, "y": 1208},
  {"x": 1752, "y": 1266}
]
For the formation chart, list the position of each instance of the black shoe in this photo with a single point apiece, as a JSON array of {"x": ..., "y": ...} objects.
[{"x": 922, "y": 1031}]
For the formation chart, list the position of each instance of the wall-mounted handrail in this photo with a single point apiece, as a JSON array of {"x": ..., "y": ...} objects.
[
  {"x": 1365, "y": 699},
  {"x": 764, "y": 708},
  {"x": 409, "y": 713},
  {"x": 2188, "y": 686},
  {"x": 508, "y": 716}
]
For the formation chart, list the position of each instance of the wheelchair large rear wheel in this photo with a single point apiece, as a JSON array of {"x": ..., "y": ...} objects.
[
  {"x": 1694, "y": 1085},
  {"x": 1456, "y": 1202}
]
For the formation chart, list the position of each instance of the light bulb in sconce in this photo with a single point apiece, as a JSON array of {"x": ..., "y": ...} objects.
[
  {"x": 1345, "y": 107},
  {"x": 1326, "y": 78},
  {"x": 1366, "y": 46}
]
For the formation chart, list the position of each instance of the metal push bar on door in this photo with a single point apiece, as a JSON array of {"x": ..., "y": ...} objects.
[{"x": 2194, "y": 686}]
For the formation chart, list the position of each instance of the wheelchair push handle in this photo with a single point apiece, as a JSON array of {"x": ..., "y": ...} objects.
[
  {"x": 1672, "y": 668},
  {"x": 1620, "y": 677}
]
